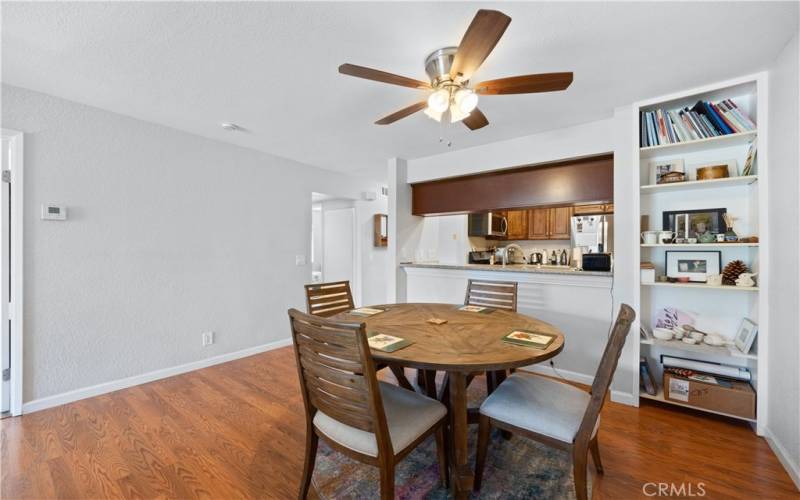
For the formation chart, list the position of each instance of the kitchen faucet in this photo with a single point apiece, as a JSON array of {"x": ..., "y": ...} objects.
[{"x": 515, "y": 247}]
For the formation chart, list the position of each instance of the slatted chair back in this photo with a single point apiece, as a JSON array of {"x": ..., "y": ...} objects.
[
  {"x": 327, "y": 299},
  {"x": 337, "y": 374},
  {"x": 605, "y": 372},
  {"x": 497, "y": 294}
]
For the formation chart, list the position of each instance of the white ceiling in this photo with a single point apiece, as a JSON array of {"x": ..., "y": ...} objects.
[{"x": 272, "y": 67}]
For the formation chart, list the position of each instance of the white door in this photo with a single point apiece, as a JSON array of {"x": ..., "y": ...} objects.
[
  {"x": 5, "y": 281},
  {"x": 338, "y": 244}
]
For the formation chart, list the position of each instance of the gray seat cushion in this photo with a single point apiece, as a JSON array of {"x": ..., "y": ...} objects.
[
  {"x": 408, "y": 416},
  {"x": 538, "y": 404}
]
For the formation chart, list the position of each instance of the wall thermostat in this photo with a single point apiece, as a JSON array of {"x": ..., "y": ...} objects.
[{"x": 54, "y": 212}]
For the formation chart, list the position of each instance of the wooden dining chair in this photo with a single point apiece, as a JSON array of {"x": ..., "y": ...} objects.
[
  {"x": 329, "y": 299},
  {"x": 496, "y": 294},
  {"x": 555, "y": 413},
  {"x": 373, "y": 422}
]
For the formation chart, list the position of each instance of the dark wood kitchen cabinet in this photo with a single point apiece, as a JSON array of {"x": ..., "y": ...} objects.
[
  {"x": 549, "y": 223},
  {"x": 517, "y": 225}
]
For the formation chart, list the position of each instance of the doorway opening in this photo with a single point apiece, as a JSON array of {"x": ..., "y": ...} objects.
[
  {"x": 333, "y": 241},
  {"x": 11, "y": 273}
]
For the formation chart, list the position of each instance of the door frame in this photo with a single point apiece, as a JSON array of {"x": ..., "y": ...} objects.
[{"x": 15, "y": 139}]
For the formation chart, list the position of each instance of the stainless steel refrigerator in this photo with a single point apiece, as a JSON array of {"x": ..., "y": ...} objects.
[{"x": 592, "y": 233}]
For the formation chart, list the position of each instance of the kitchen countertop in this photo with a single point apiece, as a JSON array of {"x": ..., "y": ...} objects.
[{"x": 511, "y": 268}]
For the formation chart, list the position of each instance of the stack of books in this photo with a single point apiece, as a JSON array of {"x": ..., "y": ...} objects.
[{"x": 705, "y": 119}]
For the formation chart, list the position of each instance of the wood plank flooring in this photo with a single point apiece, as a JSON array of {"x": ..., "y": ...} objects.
[{"x": 236, "y": 431}]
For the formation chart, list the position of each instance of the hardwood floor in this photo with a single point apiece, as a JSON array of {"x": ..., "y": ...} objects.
[{"x": 236, "y": 431}]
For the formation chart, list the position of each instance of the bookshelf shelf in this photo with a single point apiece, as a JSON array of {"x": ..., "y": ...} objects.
[
  {"x": 660, "y": 397},
  {"x": 744, "y": 180},
  {"x": 699, "y": 245},
  {"x": 727, "y": 351},
  {"x": 703, "y": 286},
  {"x": 722, "y": 141}
]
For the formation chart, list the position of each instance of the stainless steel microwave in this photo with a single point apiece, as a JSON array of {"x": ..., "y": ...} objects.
[{"x": 488, "y": 224}]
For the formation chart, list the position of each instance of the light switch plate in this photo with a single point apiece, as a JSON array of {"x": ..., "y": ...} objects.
[
  {"x": 54, "y": 212},
  {"x": 299, "y": 260}
]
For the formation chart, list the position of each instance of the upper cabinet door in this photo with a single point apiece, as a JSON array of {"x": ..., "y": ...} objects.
[
  {"x": 517, "y": 225},
  {"x": 537, "y": 224},
  {"x": 560, "y": 219}
]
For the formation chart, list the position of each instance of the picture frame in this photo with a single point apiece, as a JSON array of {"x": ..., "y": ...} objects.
[
  {"x": 700, "y": 221},
  {"x": 695, "y": 265},
  {"x": 746, "y": 335},
  {"x": 660, "y": 168}
]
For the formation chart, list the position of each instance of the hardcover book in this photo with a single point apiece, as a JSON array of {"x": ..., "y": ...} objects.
[
  {"x": 527, "y": 338},
  {"x": 475, "y": 309},
  {"x": 386, "y": 343},
  {"x": 365, "y": 311}
]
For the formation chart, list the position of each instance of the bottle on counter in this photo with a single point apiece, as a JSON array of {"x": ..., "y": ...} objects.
[
  {"x": 554, "y": 259},
  {"x": 564, "y": 259}
]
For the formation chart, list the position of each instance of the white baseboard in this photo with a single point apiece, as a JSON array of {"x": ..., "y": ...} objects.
[
  {"x": 625, "y": 398},
  {"x": 581, "y": 378},
  {"x": 123, "y": 383},
  {"x": 788, "y": 462}
]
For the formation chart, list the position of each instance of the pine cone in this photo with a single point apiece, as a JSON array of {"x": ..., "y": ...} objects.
[{"x": 732, "y": 272}]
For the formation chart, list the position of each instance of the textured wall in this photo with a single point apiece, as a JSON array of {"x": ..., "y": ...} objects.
[{"x": 169, "y": 235}]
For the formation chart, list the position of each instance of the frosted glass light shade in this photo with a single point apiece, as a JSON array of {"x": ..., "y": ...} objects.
[
  {"x": 466, "y": 100},
  {"x": 439, "y": 101}
]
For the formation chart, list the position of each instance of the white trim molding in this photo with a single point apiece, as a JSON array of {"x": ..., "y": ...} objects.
[
  {"x": 788, "y": 462},
  {"x": 16, "y": 163},
  {"x": 124, "y": 383}
]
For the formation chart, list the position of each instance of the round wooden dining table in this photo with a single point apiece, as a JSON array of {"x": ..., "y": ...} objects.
[{"x": 465, "y": 344}]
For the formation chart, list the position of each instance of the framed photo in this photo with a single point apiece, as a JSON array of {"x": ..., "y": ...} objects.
[
  {"x": 696, "y": 266},
  {"x": 746, "y": 335},
  {"x": 660, "y": 168},
  {"x": 706, "y": 221}
]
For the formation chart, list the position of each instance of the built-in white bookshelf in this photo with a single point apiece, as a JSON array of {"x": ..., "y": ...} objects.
[{"x": 720, "y": 307}]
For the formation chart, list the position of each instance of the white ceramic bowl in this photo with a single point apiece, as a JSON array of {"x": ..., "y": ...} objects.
[
  {"x": 662, "y": 333},
  {"x": 697, "y": 336},
  {"x": 689, "y": 340},
  {"x": 678, "y": 332},
  {"x": 714, "y": 340}
]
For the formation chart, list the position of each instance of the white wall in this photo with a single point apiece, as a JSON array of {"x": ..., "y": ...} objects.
[
  {"x": 169, "y": 235},
  {"x": 586, "y": 139},
  {"x": 783, "y": 425}
]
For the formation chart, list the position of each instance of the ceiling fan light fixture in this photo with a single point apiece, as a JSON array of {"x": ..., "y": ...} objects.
[
  {"x": 456, "y": 114},
  {"x": 439, "y": 101},
  {"x": 466, "y": 100},
  {"x": 436, "y": 115}
]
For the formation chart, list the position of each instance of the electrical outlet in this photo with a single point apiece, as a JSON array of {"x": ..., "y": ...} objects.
[{"x": 208, "y": 338}]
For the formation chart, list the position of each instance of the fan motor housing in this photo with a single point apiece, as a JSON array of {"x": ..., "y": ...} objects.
[{"x": 438, "y": 63}]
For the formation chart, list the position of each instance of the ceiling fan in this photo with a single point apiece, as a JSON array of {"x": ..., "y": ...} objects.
[{"x": 450, "y": 70}]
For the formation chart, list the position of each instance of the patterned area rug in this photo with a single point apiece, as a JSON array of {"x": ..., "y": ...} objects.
[{"x": 515, "y": 469}]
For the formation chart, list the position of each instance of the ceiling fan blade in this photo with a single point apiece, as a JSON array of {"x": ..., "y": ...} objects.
[
  {"x": 398, "y": 115},
  {"x": 525, "y": 84},
  {"x": 482, "y": 35},
  {"x": 381, "y": 76},
  {"x": 475, "y": 120}
]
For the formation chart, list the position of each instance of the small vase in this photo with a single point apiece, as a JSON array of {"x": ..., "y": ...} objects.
[{"x": 730, "y": 235}]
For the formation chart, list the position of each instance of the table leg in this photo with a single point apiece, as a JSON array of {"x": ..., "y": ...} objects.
[{"x": 461, "y": 475}]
